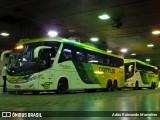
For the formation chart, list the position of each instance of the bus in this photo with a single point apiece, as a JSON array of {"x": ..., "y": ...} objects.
[
  {"x": 60, "y": 65},
  {"x": 139, "y": 74}
]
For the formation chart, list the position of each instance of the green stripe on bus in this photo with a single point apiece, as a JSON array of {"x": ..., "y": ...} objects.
[
  {"x": 86, "y": 72},
  {"x": 144, "y": 77}
]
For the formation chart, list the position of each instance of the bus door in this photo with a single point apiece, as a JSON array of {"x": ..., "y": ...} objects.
[
  {"x": 68, "y": 67},
  {"x": 143, "y": 80},
  {"x": 144, "y": 77}
]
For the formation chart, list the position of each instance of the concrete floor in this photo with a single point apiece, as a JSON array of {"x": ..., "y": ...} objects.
[{"x": 84, "y": 106}]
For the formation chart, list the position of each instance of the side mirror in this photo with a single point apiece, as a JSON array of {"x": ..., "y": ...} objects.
[
  {"x": 130, "y": 68},
  {"x": 4, "y": 53},
  {"x": 37, "y": 49}
]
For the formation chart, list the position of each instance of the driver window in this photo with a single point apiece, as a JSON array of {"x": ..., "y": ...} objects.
[{"x": 44, "y": 59}]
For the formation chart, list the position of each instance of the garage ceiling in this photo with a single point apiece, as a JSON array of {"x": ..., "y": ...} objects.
[{"x": 130, "y": 25}]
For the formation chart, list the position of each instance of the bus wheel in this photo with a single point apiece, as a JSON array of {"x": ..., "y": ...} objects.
[
  {"x": 62, "y": 86},
  {"x": 154, "y": 85},
  {"x": 151, "y": 87},
  {"x": 115, "y": 86},
  {"x": 90, "y": 90},
  {"x": 35, "y": 92},
  {"x": 109, "y": 86},
  {"x": 136, "y": 86}
]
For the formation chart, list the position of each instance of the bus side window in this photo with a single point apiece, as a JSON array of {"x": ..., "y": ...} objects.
[
  {"x": 106, "y": 60},
  {"x": 80, "y": 56},
  {"x": 120, "y": 62},
  {"x": 113, "y": 62},
  {"x": 66, "y": 54},
  {"x": 100, "y": 59},
  {"x": 91, "y": 58}
]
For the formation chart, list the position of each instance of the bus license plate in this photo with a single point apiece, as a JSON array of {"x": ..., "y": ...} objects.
[{"x": 17, "y": 86}]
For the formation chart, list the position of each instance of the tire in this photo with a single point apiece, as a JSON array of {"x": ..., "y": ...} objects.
[
  {"x": 136, "y": 86},
  {"x": 154, "y": 85},
  {"x": 19, "y": 92},
  {"x": 12, "y": 92},
  {"x": 109, "y": 86},
  {"x": 62, "y": 86},
  {"x": 90, "y": 90},
  {"x": 151, "y": 86},
  {"x": 115, "y": 86},
  {"x": 119, "y": 88},
  {"x": 35, "y": 92}
]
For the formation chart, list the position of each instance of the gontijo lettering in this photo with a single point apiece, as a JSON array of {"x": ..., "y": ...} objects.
[{"x": 108, "y": 70}]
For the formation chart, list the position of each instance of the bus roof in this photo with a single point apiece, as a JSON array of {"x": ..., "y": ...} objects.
[
  {"x": 135, "y": 60},
  {"x": 69, "y": 41}
]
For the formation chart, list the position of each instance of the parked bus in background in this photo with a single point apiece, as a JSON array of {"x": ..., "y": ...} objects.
[
  {"x": 61, "y": 65},
  {"x": 139, "y": 74},
  {"x": 4, "y": 60}
]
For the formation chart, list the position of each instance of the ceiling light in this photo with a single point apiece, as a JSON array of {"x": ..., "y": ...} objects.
[
  {"x": 94, "y": 39},
  {"x": 148, "y": 60},
  {"x": 71, "y": 30},
  {"x": 124, "y": 50},
  {"x": 133, "y": 54},
  {"x": 156, "y": 32},
  {"x": 109, "y": 51},
  {"x": 4, "y": 34},
  {"x": 150, "y": 45},
  {"x": 52, "y": 33},
  {"x": 104, "y": 17}
]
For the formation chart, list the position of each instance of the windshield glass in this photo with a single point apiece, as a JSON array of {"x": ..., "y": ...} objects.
[
  {"x": 142, "y": 67},
  {"x": 22, "y": 61},
  {"x": 129, "y": 70}
]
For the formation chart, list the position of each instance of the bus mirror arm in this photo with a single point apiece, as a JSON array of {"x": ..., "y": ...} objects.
[
  {"x": 5, "y": 52},
  {"x": 37, "y": 49},
  {"x": 130, "y": 68}
]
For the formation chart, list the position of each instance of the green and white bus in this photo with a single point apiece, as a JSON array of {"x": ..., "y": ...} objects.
[
  {"x": 139, "y": 74},
  {"x": 61, "y": 65}
]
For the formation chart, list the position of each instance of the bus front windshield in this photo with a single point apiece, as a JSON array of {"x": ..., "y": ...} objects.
[{"x": 22, "y": 61}]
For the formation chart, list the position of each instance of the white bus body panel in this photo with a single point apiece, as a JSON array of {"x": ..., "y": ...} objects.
[{"x": 131, "y": 82}]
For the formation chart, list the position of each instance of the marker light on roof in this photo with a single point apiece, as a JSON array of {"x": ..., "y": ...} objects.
[{"x": 19, "y": 47}]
